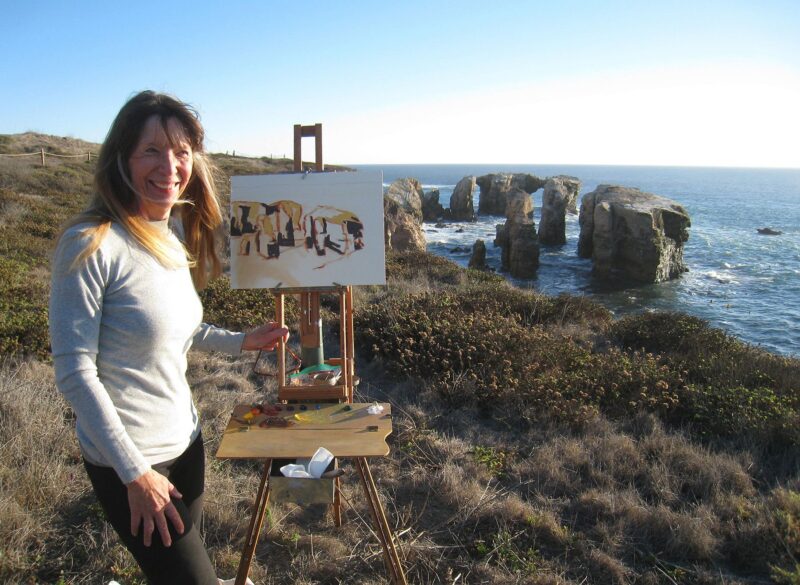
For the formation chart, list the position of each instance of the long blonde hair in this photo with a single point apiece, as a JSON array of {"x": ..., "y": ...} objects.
[{"x": 115, "y": 199}]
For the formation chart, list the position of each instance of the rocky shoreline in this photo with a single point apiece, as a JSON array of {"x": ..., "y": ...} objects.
[{"x": 626, "y": 232}]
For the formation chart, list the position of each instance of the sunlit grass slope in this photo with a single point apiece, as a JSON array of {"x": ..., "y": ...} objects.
[{"x": 536, "y": 439}]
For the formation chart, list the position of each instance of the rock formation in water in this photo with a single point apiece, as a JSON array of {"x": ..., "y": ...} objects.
[
  {"x": 478, "y": 258},
  {"x": 432, "y": 210},
  {"x": 560, "y": 195},
  {"x": 519, "y": 206},
  {"x": 496, "y": 187},
  {"x": 408, "y": 194},
  {"x": 461, "y": 206},
  {"x": 517, "y": 236},
  {"x": 402, "y": 228},
  {"x": 637, "y": 234}
]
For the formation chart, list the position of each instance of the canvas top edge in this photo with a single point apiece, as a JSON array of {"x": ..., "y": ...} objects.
[{"x": 343, "y": 178}]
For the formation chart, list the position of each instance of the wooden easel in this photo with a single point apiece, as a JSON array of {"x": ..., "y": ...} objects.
[
  {"x": 342, "y": 392},
  {"x": 309, "y": 324}
]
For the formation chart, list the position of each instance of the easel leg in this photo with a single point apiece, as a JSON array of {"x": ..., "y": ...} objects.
[
  {"x": 337, "y": 503},
  {"x": 384, "y": 531},
  {"x": 251, "y": 539}
]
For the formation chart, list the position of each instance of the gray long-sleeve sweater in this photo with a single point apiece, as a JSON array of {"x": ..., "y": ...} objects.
[{"x": 121, "y": 325}]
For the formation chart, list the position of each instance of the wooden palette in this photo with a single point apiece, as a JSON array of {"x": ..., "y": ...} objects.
[{"x": 346, "y": 430}]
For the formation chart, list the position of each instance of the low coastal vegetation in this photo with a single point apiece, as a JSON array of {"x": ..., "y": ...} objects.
[{"x": 536, "y": 439}]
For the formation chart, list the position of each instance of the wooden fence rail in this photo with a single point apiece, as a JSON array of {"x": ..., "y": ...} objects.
[{"x": 42, "y": 154}]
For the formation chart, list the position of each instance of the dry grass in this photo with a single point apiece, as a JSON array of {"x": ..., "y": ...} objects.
[
  {"x": 473, "y": 497},
  {"x": 46, "y": 512},
  {"x": 471, "y": 503},
  {"x": 32, "y": 142}
]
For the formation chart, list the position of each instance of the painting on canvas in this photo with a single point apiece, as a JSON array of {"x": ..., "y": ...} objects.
[{"x": 307, "y": 230}]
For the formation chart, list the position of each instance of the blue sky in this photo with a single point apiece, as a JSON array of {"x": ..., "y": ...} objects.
[{"x": 688, "y": 83}]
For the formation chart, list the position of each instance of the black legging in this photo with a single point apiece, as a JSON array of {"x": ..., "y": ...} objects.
[{"x": 186, "y": 562}]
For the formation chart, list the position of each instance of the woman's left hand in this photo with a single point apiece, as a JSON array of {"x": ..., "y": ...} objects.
[{"x": 265, "y": 337}]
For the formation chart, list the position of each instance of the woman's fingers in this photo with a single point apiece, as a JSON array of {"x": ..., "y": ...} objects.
[
  {"x": 159, "y": 521},
  {"x": 163, "y": 529},
  {"x": 149, "y": 499},
  {"x": 172, "y": 514},
  {"x": 149, "y": 526},
  {"x": 272, "y": 336},
  {"x": 265, "y": 337},
  {"x": 136, "y": 521}
]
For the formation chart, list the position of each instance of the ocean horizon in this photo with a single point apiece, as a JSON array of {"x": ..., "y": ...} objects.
[{"x": 743, "y": 282}]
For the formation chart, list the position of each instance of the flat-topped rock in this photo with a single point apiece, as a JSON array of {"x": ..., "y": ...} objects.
[
  {"x": 495, "y": 187},
  {"x": 638, "y": 234}
]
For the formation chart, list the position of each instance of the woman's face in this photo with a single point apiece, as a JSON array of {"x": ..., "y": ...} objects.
[{"x": 160, "y": 167}]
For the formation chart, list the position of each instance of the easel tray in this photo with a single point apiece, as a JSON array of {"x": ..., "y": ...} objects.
[{"x": 298, "y": 430}]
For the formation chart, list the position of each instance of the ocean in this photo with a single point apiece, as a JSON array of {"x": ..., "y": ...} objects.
[{"x": 743, "y": 282}]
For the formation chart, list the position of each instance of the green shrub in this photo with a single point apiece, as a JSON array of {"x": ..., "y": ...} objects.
[
  {"x": 238, "y": 309},
  {"x": 496, "y": 461},
  {"x": 513, "y": 552},
  {"x": 733, "y": 411},
  {"x": 530, "y": 308},
  {"x": 406, "y": 266},
  {"x": 483, "y": 346},
  {"x": 732, "y": 388},
  {"x": 23, "y": 311},
  {"x": 502, "y": 349},
  {"x": 659, "y": 332}
]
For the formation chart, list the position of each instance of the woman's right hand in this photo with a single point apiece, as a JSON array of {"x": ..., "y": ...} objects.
[
  {"x": 149, "y": 500},
  {"x": 265, "y": 337}
]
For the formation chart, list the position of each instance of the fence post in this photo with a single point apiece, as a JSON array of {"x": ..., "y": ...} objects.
[{"x": 42, "y": 152}]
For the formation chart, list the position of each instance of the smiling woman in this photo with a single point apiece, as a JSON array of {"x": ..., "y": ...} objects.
[
  {"x": 155, "y": 140},
  {"x": 123, "y": 314}
]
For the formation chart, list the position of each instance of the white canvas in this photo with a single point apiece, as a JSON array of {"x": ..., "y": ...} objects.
[{"x": 307, "y": 230}]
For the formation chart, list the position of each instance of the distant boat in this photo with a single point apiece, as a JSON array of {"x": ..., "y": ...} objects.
[{"x": 765, "y": 231}]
